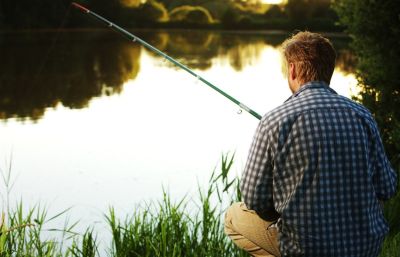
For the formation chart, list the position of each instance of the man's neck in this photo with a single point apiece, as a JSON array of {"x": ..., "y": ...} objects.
[{"x": 295, "y": 85}]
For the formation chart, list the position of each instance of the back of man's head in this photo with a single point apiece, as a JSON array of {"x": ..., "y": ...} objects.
[{"x": 312, "y": 54}]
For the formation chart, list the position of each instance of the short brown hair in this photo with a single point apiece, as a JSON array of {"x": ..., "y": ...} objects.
[{"x": 312, "y": 54}]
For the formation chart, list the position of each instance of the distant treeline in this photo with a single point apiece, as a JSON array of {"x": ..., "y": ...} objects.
[{"x": 225, "y": 14}]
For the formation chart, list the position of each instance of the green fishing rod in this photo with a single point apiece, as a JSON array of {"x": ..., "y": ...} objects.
[{"x": 134, "y": 38}]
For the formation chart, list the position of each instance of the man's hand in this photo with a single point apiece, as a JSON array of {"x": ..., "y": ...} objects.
[{"x": 270, "y": 215}]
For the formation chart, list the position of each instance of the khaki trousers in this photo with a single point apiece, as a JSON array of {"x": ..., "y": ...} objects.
[{"x": 251, "y": 233}]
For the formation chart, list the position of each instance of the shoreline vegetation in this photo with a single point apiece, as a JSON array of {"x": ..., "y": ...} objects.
[
  {"x": 166, "y": 14},
  {"x": 165, "y": 228},
  {"x": 271, "y": 32}
]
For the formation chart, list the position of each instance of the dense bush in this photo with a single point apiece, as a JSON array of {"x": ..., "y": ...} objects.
[
  {"x": 153, "y": 11},
  {"x": 375, "y": 29},
  {"x": 191, "y": 14}
]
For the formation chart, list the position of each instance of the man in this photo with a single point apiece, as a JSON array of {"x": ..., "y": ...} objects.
[{"x": 316, "y": 171}]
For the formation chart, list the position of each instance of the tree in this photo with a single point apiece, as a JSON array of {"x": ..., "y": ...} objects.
[
  {"x": 33, "y": 13},
  {"x": 1, "y": 15},
  {"x": 230, "y": 18},
  {"x": 191, "y": 15},
  {"x": 131, "y": 3},
  {"x": 107, "y": 8},
  {"x": 72, "y": 75},
  {"x": 298, "y": 10},
  {"x": 375, "y": 29},
  {"x": 275, "y": 12},
  {"x": 153, "y": 11}
]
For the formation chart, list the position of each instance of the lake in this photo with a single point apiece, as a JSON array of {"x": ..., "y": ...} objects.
[{"x": 90, "y": 120}]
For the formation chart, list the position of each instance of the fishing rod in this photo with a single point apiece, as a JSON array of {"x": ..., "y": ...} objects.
[{"x": 134, "y": 38}]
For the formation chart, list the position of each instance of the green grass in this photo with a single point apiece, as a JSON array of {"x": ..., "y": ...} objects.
[
  {"x": 165, "y": 228},
  {"x": 171, "y": 229},
  {"x": 22, "y": 234},
  {"x": 391, "y": 246}
]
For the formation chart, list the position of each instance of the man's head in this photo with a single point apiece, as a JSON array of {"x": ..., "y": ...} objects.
[{"x": 308, "y": 57}]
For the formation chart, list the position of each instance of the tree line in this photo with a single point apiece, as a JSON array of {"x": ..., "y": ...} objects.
[{"x": 226, "y": 14}]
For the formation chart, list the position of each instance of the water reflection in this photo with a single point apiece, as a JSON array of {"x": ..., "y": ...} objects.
[
  {"x": 197, "y": 48},
  {"x": 43, "y": 70}
]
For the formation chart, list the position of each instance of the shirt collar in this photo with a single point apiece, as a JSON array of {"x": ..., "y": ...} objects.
[{"x": 312, "y": 85}]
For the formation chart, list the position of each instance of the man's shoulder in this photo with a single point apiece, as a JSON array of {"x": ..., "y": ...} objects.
[
  {"x": 279, "y": 114},
  {"x": 356, "y": 107},
  {"x": 315, "y": 101}
]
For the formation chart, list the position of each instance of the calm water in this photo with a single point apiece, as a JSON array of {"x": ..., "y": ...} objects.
[{"x": 90, "y": 120}]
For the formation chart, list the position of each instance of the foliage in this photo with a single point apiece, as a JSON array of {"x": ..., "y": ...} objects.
[
  {"x": 297, "y": 14},
  {"x": 153, "y": 11},
  {"x": 109, "y": 8},
  {"x": 163, "y": 228},
  {"x": 391, "y": 247},
  {"x": 298, "y": 10},
  {"x": 22, "y": 233},
  {"x": 131, "y": 3},
  {"x": 84, "y": 246},
  {"x": 275, "y": 12},
  {"x": 311, "y": 14},
  {"x": 28, "y": 14},
  {"x": 216, "y": 8},
  {"x": 171, "y": 229},
  {"x": 375, "y": 29},
  {"x": 191, "y": 14},
  {"x": 63, "y": 68},
  {"x": 230, "y": 17}
]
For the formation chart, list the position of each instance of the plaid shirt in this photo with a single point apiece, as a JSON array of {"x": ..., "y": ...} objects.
[{"x": 319, "y": 162}]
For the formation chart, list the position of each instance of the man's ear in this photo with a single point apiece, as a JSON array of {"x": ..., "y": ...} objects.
[{"x": 292, "y": 71}]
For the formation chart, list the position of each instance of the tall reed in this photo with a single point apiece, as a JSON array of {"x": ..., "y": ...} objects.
[
  {"x": 170, "y": 229},
  {"x": 27, "y": 234}
]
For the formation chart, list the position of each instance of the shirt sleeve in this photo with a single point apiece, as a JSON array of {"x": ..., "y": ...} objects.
[
  {"x": 257, "y": 179},
  {"x": 384, "y": 177}
]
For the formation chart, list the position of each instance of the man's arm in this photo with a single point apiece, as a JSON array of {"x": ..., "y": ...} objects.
[{"x": 257, "y": 178}]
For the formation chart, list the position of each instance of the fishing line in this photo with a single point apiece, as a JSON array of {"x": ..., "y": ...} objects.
[{"x": 134, "y": 38}]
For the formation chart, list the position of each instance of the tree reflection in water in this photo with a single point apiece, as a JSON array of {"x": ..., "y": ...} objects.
[
  {"x": 42, "y": 70},
  {"x": 39, "y": 72}
]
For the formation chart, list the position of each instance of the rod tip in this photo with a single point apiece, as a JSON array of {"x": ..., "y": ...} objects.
[{"x": 80, "y": 7}]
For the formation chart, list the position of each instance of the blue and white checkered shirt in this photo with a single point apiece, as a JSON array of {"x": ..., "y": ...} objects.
[{"x": 319, "y": 162}]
